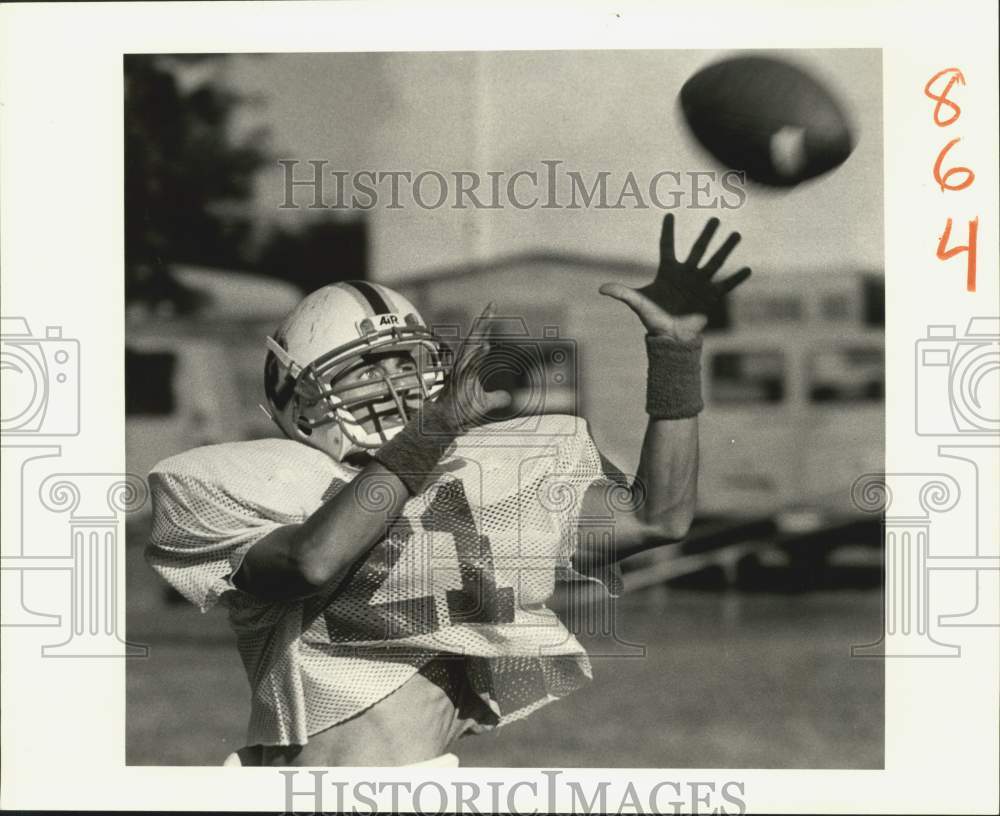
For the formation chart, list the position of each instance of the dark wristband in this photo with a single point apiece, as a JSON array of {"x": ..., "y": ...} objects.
[
  {"x": 673, "y": 380},
  {"x": 414, "y": 452}
]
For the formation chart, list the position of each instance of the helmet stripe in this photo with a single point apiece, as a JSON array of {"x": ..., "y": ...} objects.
[
  {"x": 388, "y": 295},
  {"x": 357, "y": 297},
  {"x": 372, "y": 295}
]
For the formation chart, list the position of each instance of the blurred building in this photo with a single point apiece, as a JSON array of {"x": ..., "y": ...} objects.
[
  {"x": 793, "y": 371},
  {"x": 198, "y": 379}
]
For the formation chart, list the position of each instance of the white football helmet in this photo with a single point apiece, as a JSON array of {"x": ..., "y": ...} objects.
[{"x": 331, "y": 331}]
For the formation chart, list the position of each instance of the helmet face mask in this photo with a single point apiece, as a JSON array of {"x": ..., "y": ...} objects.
[
  {"x": 383, "y": 401},
  {"x": 355, "y": 395}
]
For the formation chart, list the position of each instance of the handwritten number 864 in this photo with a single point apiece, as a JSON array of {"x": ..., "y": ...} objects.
[{"x": 953, "y": 178}]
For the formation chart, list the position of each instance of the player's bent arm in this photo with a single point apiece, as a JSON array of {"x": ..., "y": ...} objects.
[
  {"x": 302, "y": 559},
  {"x": 668, "y": 476},
  {"x": 298, "y": 560},
  {"x": 673, "y": 309},
  {"x": 662, "y": 498}
]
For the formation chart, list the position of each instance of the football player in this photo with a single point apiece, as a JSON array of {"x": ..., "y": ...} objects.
[{"x": 386, "y": 565}]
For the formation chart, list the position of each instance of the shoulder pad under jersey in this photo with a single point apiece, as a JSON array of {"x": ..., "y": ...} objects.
[{"x": 278, "y": 478}]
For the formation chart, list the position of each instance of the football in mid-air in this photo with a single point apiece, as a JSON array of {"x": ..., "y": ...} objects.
[{"x": 768, "y": 118}]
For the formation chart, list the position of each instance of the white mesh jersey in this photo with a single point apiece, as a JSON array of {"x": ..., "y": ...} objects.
[{"x": 466, "y": 569}]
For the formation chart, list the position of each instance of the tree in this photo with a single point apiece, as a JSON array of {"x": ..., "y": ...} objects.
[
  {"x": 318, "y": 253},
  {"x": 184, "y": 172}
]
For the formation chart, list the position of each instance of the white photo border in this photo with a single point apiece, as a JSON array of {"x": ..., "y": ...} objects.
[{"x": 61, "y": 132}]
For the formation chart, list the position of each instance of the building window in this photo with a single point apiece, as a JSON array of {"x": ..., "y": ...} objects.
[
  {"x": 775, "y": 309},
  {"x": 849, "y": 374},
  {"x": 149, "y": 383},
  {"x": 874, "y": 300},
  {"x": 747, "y": 377},
  {"x": 835, "y": 307}
]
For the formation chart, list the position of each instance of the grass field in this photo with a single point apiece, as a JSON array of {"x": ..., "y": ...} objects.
[{"x": 727, "y": 680}]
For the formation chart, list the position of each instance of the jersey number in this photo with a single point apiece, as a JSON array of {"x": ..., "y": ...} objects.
[{"x": 480, "y": 600}]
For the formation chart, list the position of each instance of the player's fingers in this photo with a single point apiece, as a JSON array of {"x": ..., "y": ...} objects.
[
  {"x": 719, "y": 258},
  {"x": 478, "y": 333},
  {"x": 702, "y": 243},
  {"x": 667, "y": 238},
  {"x": 734, "y": 280},
  {"x": 482, "y": 323},
  {"x": 467, "y": 368},
  {"x": 485, "y": 325}
]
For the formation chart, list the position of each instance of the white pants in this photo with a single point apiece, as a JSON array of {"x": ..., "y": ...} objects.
[{"x": 443, "y": 761}]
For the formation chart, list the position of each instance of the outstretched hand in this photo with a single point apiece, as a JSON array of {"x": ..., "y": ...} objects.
[{"x": 676, "y": 303}]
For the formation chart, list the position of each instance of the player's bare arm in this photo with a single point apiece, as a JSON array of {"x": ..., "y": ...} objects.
[
  {"x": 299, "y": 560},
  {"x": 672, "y": 309}
]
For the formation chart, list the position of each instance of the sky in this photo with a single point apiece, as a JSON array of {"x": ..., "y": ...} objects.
[{"x": 591, "y": 111}]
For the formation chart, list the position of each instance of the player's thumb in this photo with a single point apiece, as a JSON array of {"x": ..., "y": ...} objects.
[
  {"x": 496, "y": 400},
  {"x": 627, "y": 295}
]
